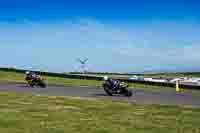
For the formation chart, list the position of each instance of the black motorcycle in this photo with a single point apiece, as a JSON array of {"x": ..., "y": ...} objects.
[
  {"x": 121, "y": 90},
  {"x": 39, "y": 81}
]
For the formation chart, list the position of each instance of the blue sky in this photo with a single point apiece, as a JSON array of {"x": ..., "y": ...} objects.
[{"x": 116, "y": 36}]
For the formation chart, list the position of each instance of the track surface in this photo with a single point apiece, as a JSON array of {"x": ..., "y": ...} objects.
[{"x": 139, "y": 96}]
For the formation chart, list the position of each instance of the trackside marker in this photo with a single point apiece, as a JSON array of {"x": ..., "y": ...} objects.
[{"x": 177, "y": 86}]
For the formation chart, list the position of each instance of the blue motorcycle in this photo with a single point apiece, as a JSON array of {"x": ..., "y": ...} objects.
[{"x": 121, "y": 89}]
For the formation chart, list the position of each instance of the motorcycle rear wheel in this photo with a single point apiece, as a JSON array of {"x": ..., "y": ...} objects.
[{"x": 31, "y": 84}]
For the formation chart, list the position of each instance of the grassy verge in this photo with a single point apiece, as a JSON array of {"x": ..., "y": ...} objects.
[{"x": 39, "y": 114}]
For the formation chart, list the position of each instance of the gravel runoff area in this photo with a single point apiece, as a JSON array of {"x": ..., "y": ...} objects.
[{"x": 139, "y": 96}]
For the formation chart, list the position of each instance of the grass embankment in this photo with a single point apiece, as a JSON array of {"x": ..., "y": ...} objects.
[{"x": 35, "y": 114}]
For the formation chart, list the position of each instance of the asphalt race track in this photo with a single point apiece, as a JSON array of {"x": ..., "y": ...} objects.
[{"x": 139, "y": 96}]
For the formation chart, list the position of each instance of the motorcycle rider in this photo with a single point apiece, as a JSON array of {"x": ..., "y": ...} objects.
[
  {"x": 113, "y": 83},
  {"x": 31, "y": 75},
  {"x": 28, "y": 75}
]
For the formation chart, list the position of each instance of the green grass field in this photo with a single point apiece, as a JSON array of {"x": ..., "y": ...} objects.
[{"x": 23, "y": 113}]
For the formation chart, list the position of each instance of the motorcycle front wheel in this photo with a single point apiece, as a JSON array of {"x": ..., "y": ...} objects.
[
  {"x": 42, "y": 84},
  {"x": 128, "y": 93},
  {"x": 107, "y": 90},
  {"x": 31, "y": 84}
]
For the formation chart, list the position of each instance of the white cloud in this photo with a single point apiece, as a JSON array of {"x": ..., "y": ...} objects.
[{"x": 110, "y": 47}]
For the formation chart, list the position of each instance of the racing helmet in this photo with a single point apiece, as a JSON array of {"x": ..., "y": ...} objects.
[
  {"x": 105, "y": 78},
  {"x": 27, "y": 72}
]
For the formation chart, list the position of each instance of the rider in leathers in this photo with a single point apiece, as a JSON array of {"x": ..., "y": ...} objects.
[
  {"x": 113, "y": 83},
  {"x": 32, "y": 75}
]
